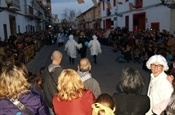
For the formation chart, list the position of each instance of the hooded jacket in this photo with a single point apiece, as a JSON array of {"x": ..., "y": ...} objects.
[
  {"x": 32, "y": 101},
  {"x": 95, "y": 46}
]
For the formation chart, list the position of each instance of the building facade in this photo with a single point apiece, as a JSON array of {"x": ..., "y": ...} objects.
[
  {"x": 90, "y": 19},
  {"x": 24, "y": 16},
  {"x": 133, "y": 14}
]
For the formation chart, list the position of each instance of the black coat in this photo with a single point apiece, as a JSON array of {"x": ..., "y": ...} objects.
[
  {"x": 131, "y": 104},
  {"x": 82, "y": 51}
]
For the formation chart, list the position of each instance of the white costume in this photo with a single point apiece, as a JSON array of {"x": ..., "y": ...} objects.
[
  {"x": 71, "y": 47},
  {"x": 94, "y": 46},
  {"x": 59, "y": 38},
  {"x": 160, "y": 89}
]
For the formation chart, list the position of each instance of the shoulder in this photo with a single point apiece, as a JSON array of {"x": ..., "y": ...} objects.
[
  {"x": 118, "y": 96},
  {"x": 58, "y": 69},
  {"x": 92, "y": 81},
  {"x": 88, "y": 94},
  {"x": 163, "y": 82},
  {"x": 143, "y": 98},
  {"x": 55, "y": 98},
  {"x": 31, "y": 98}
]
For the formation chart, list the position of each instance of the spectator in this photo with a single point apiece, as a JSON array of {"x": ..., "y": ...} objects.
[
  {"x": 84, "y": 68},
  {"x": 71, "y": 47},
  {"x": 95, "y": 48},
  {"x": 49, "y": 77},
  {"x": 72, "y": 97},
  {"x": 104, "y": 105},
  {"x": 160, "y": 89},
  {"x": 16, "y": 98},
  {"x": 165, "y": 106},
  {"x": 130, "y": 101},
  {"x": 171, "y": 43},
  {"x": 36, "y": 84}
]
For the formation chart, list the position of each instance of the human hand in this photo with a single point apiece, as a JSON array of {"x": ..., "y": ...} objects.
[{"x": 170, "y": 78}]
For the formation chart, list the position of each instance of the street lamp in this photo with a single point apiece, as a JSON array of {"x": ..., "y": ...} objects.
[
  {"x": 169, "y": 3},
  {"x": 8, "y": 2}
]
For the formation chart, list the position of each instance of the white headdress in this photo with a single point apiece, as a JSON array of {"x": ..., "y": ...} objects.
[{"x": 157, "y": 59}]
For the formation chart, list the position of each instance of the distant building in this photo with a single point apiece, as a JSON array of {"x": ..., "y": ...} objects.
[
  {"x": 24, "y": 16},
  {"x": 133, "y": 14}
]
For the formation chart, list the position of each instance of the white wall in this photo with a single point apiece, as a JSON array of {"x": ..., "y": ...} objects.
[{"x": 20, "y": 18}]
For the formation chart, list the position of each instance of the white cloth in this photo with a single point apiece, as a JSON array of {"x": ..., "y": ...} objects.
[
  {"x": 59, "y": 38},
  {"x": 159, "y": 90},
  {"x": 71, "y": 47},
  {"x": 95, "y": 46},
  {"x": 159, "y": 108}
]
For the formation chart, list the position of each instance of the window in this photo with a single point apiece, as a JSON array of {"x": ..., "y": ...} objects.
[
  {"x": 138, "y": 3},
  {"x": 114, "y": 2},
  {"x": 103, "y": 5}
]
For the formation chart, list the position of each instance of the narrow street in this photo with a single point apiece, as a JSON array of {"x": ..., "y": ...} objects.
[{"x": 106, "y": 71}]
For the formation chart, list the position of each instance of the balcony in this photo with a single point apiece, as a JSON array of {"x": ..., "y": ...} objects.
[
  {"x": 15, "y": 6},
  {"x": 30, "y": 12}
]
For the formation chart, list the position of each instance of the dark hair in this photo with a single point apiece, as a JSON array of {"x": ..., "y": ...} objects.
[
  {"x": 131, "y": 81},
  {"x": 106, "y": 99}
]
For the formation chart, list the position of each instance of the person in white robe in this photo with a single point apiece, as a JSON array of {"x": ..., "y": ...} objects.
[
  {"x": 95, "y": 48},
  {"x": 71, "y": 47}
]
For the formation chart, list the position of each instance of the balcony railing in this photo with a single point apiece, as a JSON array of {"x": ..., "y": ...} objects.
[{"x": 15, "y": 6}]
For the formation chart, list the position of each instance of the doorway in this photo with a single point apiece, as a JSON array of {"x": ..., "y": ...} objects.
[{"x": 12, "y": 21}]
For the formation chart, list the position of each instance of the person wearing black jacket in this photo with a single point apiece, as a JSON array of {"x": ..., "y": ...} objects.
[
  {"x": 130, "y": 101},
  {"x": 50, "y": 77},
  {"x": 84, "y": 41}
]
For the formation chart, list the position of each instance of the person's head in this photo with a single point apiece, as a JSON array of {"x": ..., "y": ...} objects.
[
  {"x": 13, "y": 81},
  {"x": 56, "y": 57},
  {"x": 84, "y": 65},
  {"x": 104, "y": 105},
  {"x": 70, "y": 85},
  {"x": 36, "y": 78},
  {"x": 71, "y": 37},
  {"x": 157, "y": 64},
  {"x": 82, "y": 33},
  {"x": 94, "y": 37},
  {"x": 131, "y": 81}
]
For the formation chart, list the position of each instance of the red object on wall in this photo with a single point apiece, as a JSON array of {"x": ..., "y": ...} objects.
[{"x": 155, "y": 25}]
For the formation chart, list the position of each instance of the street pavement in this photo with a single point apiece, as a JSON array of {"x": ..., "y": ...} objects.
[{"x": 106, "y": 71}]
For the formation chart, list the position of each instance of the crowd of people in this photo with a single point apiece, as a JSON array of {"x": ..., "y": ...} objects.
[
  {"x": 76, "y": 92},
  {"x": 64, "y": 91}
]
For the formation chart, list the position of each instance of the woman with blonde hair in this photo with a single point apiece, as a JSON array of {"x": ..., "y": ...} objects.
[
  {"x": 15, "y": 94},
  {"x": 72, "y": 97}
]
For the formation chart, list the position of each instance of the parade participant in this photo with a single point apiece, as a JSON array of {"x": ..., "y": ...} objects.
[
  {"x": 95, "y": 48},
  {"x": 160, "y": 89},
  {"x": 84, "y": 41},
  {"x": 71, "y": 47}
]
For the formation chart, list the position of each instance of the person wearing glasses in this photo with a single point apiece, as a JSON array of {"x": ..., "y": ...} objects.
[{"x": 159, "y": 89}]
